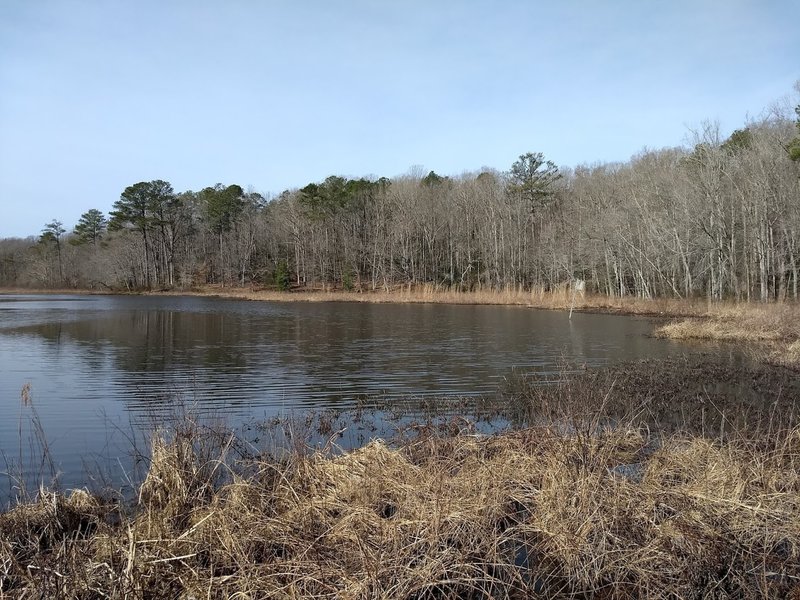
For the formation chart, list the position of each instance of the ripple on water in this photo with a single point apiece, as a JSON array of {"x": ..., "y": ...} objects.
[{"x": 95, "y": 361}]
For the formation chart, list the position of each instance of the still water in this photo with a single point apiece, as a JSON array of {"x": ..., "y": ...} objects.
[{"x": 99, "y": 366}]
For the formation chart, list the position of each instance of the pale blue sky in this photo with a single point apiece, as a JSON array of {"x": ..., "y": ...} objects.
[{"x": 98, "y": 95}]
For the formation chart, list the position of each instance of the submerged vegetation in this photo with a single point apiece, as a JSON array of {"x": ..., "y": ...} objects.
[{"x": 585, "y": 498}]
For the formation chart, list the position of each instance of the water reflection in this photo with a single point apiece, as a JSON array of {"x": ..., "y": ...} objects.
[{"x": 95, "y": 360}]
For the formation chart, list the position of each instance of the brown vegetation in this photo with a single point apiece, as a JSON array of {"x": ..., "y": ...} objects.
[
  {"x": 772, "y": 330},
  {"x": 703, "y": 396},
  {"x": 573, "y": 508},
  {"x": 559, "y": 299}
]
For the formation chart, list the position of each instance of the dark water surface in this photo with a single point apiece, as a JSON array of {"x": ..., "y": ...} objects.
[{"x": 99, "y": 366}]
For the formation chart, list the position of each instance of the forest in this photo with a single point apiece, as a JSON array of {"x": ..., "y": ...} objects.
[{"x": 717, "y": 218}]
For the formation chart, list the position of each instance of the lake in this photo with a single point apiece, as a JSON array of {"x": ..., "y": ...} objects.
[{"x": 96, "y": 369}]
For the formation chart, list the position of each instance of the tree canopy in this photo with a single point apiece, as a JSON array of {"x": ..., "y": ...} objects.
[
  {"x": 533, "y": 178},
  {"x": 718, "y": 217},
  {"x": 90, "y": 227}
]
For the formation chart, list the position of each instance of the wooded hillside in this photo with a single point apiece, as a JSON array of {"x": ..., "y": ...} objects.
[{"x": 717, "y": 218}]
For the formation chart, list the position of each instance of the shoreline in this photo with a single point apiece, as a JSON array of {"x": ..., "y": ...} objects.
[
  {"x": 769, "y": 332},
  {"x": 425, "y": 294}
]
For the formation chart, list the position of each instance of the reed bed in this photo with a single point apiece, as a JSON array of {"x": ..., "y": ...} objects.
[
  {"x": 772, "y": 330},
  {"x": 742, "y": 323},
  {"x": 579, "y": 508},
  {"x": 560, "y": 298}
]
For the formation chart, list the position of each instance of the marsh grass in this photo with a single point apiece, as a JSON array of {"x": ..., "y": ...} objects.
[
  {"x": 551, "y": 298},
  {"x": 554, "y": 299},
  {"x": 706, "y": 396},
  {"x": 770, "y": 331},
  {"x": 33, "y": 467},
  {"x": 587, "y": 500}
]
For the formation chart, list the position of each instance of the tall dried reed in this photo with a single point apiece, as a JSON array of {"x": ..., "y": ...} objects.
[{"x": 581, "y": 506}]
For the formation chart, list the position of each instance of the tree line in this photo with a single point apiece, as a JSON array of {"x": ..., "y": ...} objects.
[{"x": 718, "y": 218}]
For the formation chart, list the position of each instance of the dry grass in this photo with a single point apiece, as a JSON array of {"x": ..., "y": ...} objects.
[
  {"x": 551, "y": 299},
  {"x": 559, "y": 299},
  {"x": 573, "y": 510},
  {"x": 399, "y": 294},
  {"x": 773, "y": 330},
  {"x": 764, "y": 317},
  {"x": 792, "y": 354},
  {"x": 52, "y": 291},
  {"x": 720, "y": 397}
]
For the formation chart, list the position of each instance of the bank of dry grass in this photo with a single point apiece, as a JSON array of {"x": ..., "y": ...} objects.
[
  {"x": 51, "y": 291},
  {"x": 558, "y": 299},
  {"x": 773, "y": 331},
  {"x": 551, "y": 299},
  {"x": 574, "y": 509}
]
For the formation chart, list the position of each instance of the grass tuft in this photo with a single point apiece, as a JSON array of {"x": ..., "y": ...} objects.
[{"x": 579, "y": 507}]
